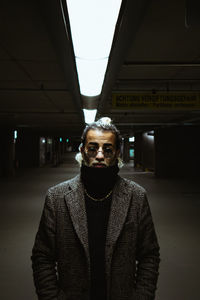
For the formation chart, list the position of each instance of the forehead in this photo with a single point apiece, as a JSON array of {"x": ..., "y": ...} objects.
[{"x": 100, "y": 137}]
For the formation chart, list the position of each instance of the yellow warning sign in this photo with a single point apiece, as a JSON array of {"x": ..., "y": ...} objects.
[{"x": 186, "y": 101}]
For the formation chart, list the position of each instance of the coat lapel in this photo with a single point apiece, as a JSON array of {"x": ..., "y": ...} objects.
[
  {"x": 118, "y": 213},
  {"x": 76, "y": 205},
  {"x": 119, "y": 208}
]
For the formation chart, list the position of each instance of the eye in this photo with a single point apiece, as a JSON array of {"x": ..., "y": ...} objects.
[
  {"x": 108, "y": 150},
  {"x": 92, "y": 149}
]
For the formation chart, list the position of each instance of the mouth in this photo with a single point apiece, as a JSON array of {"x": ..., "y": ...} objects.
[{"x": 99, "y": 166}]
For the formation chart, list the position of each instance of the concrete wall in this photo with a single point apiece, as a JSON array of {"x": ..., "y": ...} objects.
[
  {"x": 177, "y": 152},
  {"x": 144, "y": 151}
]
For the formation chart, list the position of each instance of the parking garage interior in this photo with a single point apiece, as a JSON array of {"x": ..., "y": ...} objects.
[{"x": 151, "y": 91}]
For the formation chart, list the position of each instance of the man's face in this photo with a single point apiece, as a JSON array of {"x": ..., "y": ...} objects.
[{"x": 100, "y": 149}]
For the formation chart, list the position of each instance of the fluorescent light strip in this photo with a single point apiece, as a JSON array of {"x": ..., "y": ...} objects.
[
  {"x": 91, "y": 75},
  {"x": 92, "y": 25},
  {"x": 89, "y": 115}
]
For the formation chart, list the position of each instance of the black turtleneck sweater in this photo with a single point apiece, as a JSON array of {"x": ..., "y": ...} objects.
[
  {"x": 97, "y": 217},
  {"x": 98, "y": 185}
]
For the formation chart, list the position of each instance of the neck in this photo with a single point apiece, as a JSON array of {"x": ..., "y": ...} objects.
[{"x": 99, "y": 182}]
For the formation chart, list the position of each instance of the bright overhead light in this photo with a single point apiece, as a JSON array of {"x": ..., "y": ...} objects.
[
  {"x": 91, "y": 75},
  {"x": 89, "y": 115},
  {"x": 92, "y": 24}
]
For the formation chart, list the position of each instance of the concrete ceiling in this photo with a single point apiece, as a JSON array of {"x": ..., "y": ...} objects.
[{"x": 153, "y": 51}]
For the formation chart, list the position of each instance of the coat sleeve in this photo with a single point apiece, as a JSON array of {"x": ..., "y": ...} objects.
[
  {"x": 44, "y": 254},
  {"x": 148, "y": 256}
]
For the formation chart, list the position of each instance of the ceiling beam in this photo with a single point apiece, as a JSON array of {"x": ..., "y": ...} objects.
[
  {"x": 160, "y": 64},
  {"x": 129, "y": 21},
  {"x": 56, "y": 16}
]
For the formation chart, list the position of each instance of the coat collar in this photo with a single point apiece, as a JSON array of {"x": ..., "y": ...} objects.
[{"x": 119, "y": 208}]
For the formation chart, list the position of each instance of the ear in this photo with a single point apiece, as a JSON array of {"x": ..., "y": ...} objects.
[{"x": 81, "y": 150}]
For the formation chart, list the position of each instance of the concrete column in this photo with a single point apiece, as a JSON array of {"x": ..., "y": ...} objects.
[
  {"x": 148, "y": 152},
  {"x": 62, "y": 145},
  {"x": 144, "y": 151},
  {"x": 59, "y": 151},
  {"x": 7, "y": 153},
  {"x": 138, "y": 150},
  {"x": 56, "y": 152},
  {"x": 126, "y": 156},
  {"x": 27, "y": 149},
  {"x": 177, "y": 152}
]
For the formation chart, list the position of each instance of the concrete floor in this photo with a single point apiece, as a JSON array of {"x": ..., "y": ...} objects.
[{"x": 175, "y": 206}]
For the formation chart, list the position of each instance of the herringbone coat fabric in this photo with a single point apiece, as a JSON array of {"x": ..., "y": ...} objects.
[{"x": 60, "y": 256}]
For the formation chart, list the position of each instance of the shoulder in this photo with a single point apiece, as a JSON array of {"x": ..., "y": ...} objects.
[
  {"x": 130, "y": 186},
  {"x": 137, "y": 196},
  {"x": 64, "y": 187}
]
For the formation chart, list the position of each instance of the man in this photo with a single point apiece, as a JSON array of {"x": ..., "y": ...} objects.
[{"x": 96, "y": 239}]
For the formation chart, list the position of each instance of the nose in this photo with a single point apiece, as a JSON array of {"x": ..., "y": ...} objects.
[{"x": 100, "y": 155}]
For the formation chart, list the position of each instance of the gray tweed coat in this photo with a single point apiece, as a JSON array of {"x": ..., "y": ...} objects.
[{"x": 60, "y": 257}]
